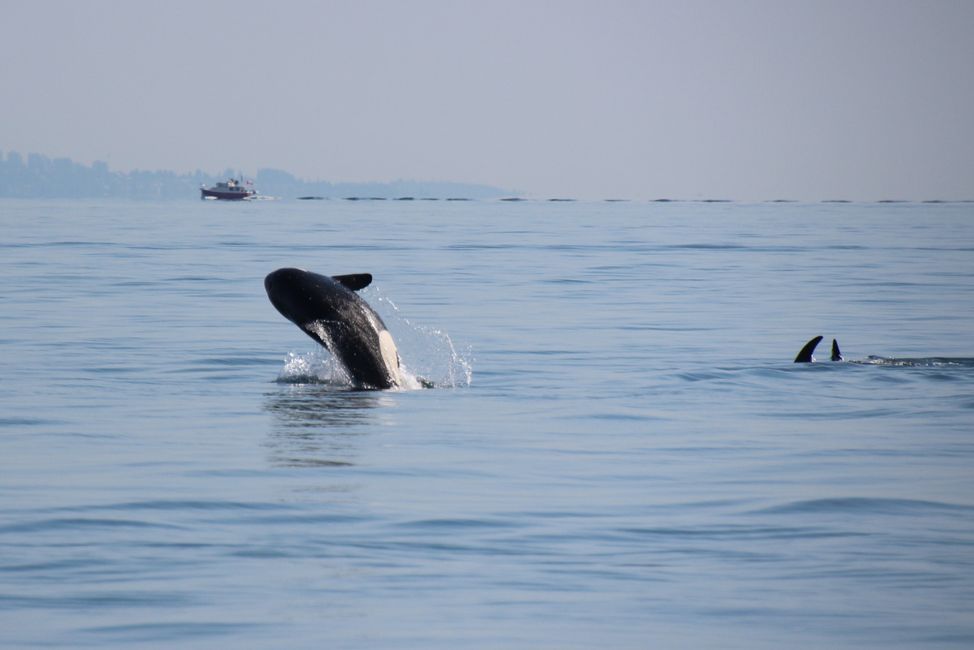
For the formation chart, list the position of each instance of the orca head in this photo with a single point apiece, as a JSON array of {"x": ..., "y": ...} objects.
[
  {"x": 328, "y": 310},
  {"x": 303, "y": 297}
]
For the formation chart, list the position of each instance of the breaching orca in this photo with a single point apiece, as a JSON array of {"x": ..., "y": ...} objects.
[{"x": 328, "y": 310}]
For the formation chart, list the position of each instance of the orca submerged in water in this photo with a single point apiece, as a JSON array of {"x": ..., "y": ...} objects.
[
  {"x": 805, "y": 356},
  {"x": 328, "y": 310}
]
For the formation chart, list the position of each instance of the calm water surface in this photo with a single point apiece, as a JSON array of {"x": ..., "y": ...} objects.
[{"x": 619, "y": 452}]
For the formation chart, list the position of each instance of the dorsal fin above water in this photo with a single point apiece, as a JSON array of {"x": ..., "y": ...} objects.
[
  {"x": 805, "y": 356},
  {"x": 836, "y": 352},
  {"x": 354, "y": 281}
]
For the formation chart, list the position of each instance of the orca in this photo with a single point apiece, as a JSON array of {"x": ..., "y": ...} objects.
[
  {"x": 836, "y": 353},
  {"x": 805, "y": 354},
  {"x": 328, "y": 310}
]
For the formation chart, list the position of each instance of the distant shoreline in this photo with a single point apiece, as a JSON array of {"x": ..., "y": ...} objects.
[
  {"x": 503, "y": 201},
  {"x": 38, "y": 176}
]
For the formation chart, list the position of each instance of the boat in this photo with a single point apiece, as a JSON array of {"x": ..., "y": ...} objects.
[{"x": 231, "y": 190}]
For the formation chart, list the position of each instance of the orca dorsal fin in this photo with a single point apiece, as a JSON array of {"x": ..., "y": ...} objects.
[
  {"x": 805, "y": 355},
  {"x": 836, "y": 352},
  {"x": 353, "y": 281}
]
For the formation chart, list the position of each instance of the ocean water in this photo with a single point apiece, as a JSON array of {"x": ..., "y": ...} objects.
[{"x": 618, "y": 451}]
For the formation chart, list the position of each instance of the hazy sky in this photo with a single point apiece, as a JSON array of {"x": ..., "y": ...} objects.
[{"x": 750, "y": 99}]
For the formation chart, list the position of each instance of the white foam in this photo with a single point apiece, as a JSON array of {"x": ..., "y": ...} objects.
[{"x": 315, "y": 367}]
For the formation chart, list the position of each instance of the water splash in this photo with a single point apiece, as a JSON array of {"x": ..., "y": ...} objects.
[
  {"x": 427, "y": 354},
  {"x": 428, "y": 357},
  {"x": 315, "y": 367}
]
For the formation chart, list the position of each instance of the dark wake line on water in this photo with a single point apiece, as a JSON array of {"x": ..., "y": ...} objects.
[
  {"x": 664, "y": 200},
  {"x": 865, "y": 505},
  {"x": 81, "y": 523},
  {"x": 169, "y": 632}
]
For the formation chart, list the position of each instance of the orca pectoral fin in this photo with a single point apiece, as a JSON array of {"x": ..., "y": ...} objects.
[
  {"x": 805, "y": 356},
  {"x": 316, "y": 331},
  {"x": 836, "y": 352},
  {"x": 353, "y": 281}
]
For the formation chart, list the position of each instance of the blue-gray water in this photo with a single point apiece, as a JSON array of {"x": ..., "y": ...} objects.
[{"x": 619, "y": 454}]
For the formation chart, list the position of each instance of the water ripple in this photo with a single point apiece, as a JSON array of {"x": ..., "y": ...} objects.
[{"x": 864, "y": 505}]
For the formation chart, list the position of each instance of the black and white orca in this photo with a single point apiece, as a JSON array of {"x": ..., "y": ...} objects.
[{"x": 328, "y": 310}]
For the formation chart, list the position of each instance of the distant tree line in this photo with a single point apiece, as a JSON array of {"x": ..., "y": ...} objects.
[{"x": 41, "y": 177}]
